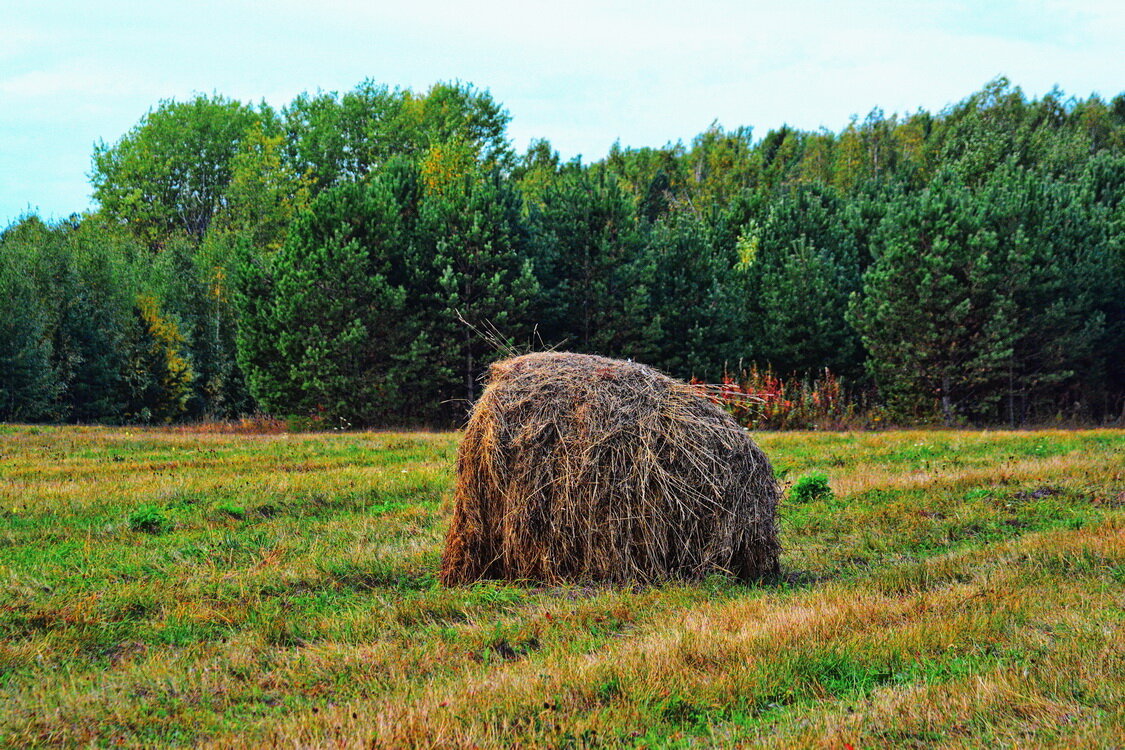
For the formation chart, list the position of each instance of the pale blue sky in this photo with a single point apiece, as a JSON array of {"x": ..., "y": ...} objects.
[{"x": 581, "y": 74}]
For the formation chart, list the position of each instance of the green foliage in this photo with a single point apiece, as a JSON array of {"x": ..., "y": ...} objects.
[
  {"x": 334, "y": 138},
  {"x": 95, "y": 276},
  {"x": 194, "y": 286},
  {"x": 169, "y": 174},
  {"x": 588, "y": 249},
  {"x": 158, "y": 375},
  {"x": 110, "y": 353},
  {"x": 992, "y": 302},
  {"x": 148, "y": 519},
  {"x": 328, "y": 337},
  {"x": 691, "y": 310},
  {"x": 933, "y": 315},
  {"x": 264, "y": 194},
  {"x": 473, "y": 276},
  {"x": 360, "y": 258},
  {"x": 807, "y": 262},
  {"x": 1059, "y": 276},
  {"x": 810, "y": 488},
  {"x": 29, "y": 383},
  {"x": 802, "y": 298}
]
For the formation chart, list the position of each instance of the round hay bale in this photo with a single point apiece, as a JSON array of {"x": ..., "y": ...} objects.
[{"x": 582, "y": 468}]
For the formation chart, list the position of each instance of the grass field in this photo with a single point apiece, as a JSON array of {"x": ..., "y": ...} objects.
[{"x": 165, "y": 587}]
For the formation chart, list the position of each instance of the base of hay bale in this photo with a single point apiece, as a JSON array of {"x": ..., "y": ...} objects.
[{"x": 582, "y": 468}]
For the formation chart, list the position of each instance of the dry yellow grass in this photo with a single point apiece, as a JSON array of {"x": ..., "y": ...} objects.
[{"x": 719, "y": 653}]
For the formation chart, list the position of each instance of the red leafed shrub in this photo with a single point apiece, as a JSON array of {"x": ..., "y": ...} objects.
[
  {"x": 761, "y": 400},
  {"x": 256, "y": 425}
]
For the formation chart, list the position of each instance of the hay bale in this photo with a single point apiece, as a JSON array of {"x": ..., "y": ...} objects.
[{"x": 581, "y": 468}]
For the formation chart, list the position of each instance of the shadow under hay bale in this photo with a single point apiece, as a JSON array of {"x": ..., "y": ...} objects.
[{"x": 581, "y": 468}]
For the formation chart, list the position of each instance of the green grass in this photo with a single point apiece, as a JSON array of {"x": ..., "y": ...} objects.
[{"x": 165, "y": 587}]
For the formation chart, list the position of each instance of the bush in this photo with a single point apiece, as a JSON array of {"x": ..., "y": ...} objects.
[
  {"x": 761, "y": 400},
  {"x": 809, "y": 488},
  {"x": 149, "y": 520},
  {"x": 232, "y": 510}
]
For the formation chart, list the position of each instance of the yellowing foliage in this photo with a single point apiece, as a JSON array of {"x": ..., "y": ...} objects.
[
  {"x": 445, "y": 166},
  {"x": 166, "y": 344}
]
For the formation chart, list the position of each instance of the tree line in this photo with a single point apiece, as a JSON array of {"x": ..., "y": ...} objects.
[{"x": 358, "y": 258}]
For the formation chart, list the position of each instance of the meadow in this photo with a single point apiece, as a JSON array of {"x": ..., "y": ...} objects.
[{"x": 176, "y": 587}]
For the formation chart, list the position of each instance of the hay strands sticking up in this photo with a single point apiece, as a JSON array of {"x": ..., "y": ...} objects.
[{"x": 581, "y": 468}]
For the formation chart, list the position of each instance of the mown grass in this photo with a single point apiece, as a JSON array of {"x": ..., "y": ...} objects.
[{"x": 163, "y": 587}]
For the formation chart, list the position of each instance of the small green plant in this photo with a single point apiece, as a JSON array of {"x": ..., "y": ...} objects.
[
  {"x": 492, "y": 593},
  {"x": 810, "y": 487},
  {"x": 149, "y": 520},
  {"x": 231, "y": 509}
]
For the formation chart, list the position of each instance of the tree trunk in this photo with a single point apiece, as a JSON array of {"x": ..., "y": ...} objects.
[
  {"x": 470, "y": 391},
  {"x": 946, "y": 401}
]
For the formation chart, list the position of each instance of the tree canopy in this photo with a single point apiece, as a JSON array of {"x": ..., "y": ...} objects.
[{"x": 360, "y": 257}]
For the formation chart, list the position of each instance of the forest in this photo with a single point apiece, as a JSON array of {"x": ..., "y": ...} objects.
[{"x": 358, "y": 259}]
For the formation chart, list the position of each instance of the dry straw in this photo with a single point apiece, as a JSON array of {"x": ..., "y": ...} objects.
[{"x": 581, "y": 468}]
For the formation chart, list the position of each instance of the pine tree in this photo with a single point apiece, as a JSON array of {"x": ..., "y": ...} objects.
[
  {"x": 803, "y": 299},
  {"x": 799, "y": 260},
  {"x": 933, "y": 313},
  {"x": 1058, "y": 274},
  {"x": 331, "y": 310},
  {"x": 693, "y": 326},
  {"x": 588, "y": 252},
  {"x": 95, "y": 311},
  {"x": 476, "y": 279},
  {"x": 157, "y": 371}
]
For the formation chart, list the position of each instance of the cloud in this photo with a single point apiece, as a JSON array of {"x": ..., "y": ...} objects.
[{"x": 73, "y": 79}]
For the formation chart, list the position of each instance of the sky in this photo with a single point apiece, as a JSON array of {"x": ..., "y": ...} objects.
[{"x": 582, "y": 74}]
